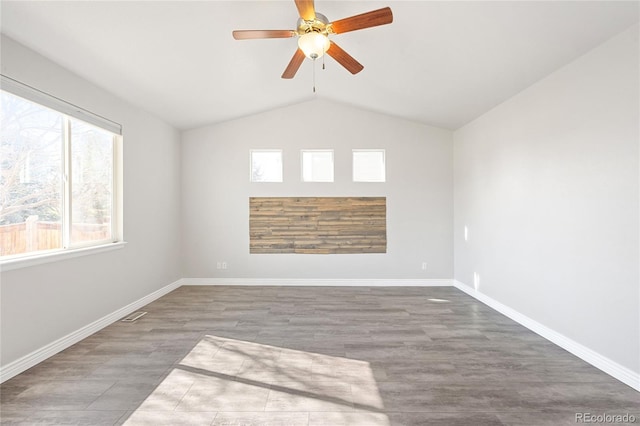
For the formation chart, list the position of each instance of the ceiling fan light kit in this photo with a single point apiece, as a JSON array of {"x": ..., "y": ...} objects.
[
  {"x": 313, "y": 30},
  {"x": 313, "y": 44},
  {"x": 313, "y": 36}
]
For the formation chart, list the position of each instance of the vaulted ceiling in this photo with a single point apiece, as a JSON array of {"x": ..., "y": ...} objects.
[{"x": 439, "y": 63}]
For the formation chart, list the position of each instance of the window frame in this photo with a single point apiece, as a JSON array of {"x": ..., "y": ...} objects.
[
  {"x": 69, "y": 113},
  {"x": 251, "y": 151},
  {"x": 353, "y": 164},
  {"x": 333, "y": 165}
]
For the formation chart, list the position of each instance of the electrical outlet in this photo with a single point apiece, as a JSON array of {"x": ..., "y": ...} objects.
[
  {"x": 424, "y": 266},
  {"x": 224, "y": 265}
]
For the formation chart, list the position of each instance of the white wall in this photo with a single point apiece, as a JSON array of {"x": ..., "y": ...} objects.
[
  {"x": 216, "y": 191},
  {"x": 43, "y": 303},
  {"x": 547, "y": 184}
]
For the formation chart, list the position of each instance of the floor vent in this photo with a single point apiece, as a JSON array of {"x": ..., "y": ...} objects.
[{"x": 134, "y": 316}]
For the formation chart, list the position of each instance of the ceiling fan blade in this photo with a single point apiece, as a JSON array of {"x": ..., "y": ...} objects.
[
  {"x": 366, "y": 20},
  {"x": 306, "y": 9},
  {"x": 294, "y": 64},
  {"x": 251, "y": 34},
  {"x": 344, "y": 59}
]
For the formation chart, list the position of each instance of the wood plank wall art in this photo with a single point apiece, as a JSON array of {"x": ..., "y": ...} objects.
[{"x": 320, "y": 225}]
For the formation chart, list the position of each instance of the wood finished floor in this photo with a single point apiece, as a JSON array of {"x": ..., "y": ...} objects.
[{"x": 362, "y": 356}]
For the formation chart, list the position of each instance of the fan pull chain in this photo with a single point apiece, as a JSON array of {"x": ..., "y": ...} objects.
[{"x": 314, "y": 76}]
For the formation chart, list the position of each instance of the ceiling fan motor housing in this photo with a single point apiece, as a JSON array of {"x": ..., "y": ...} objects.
[{"x": 318, "y": 25}]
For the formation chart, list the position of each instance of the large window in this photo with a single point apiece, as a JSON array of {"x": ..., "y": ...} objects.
[{"x": 57, "y": 180}]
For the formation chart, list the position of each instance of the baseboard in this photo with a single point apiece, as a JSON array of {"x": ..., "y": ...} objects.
[
  {"x": 344, "y": 282},
  {"x": 599, "y": 361},
  {"x": 22, "y": 364},
  {"x": 612, "y": 368}
]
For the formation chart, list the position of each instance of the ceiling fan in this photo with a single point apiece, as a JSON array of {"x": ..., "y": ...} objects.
[{"x": 313, "y": 30}]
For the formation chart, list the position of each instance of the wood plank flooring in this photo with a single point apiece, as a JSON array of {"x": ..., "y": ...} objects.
[{"x": 363, "y": 356}]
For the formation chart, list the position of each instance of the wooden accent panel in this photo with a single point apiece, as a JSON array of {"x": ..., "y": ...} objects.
[{"x": 322, "y": 225}]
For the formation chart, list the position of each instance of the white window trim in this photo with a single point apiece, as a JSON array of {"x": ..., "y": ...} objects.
[
  {"x": 333, "y": 165},
  {"x": 353, "y": 165},
  {"x": 251, "y": 151},
  {"x": 52, "y": 102},
  {"x": 39, "y": 258}
]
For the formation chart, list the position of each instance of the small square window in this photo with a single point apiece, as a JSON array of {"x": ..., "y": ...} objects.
[
  {"x": 368, "y": 165},
  {"x": 317, "y": 165},
  {"x": 266, "y": 165}
]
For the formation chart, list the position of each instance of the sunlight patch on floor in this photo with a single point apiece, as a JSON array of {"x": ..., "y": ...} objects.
[{"x": 239, "y": 382}]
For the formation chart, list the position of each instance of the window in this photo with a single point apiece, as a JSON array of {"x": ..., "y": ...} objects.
[
  {"x": 266, "y": 165},
  {"x": 317, "y": 165},
  {"x": 57, "y": 178},
  {"x": 368, "y": 165}
]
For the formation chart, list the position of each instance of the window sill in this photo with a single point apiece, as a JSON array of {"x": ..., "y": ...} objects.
[{"x": 38, "y": 259}]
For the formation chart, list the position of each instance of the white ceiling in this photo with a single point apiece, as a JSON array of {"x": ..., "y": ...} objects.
[{"x": 440, "y": 63}]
